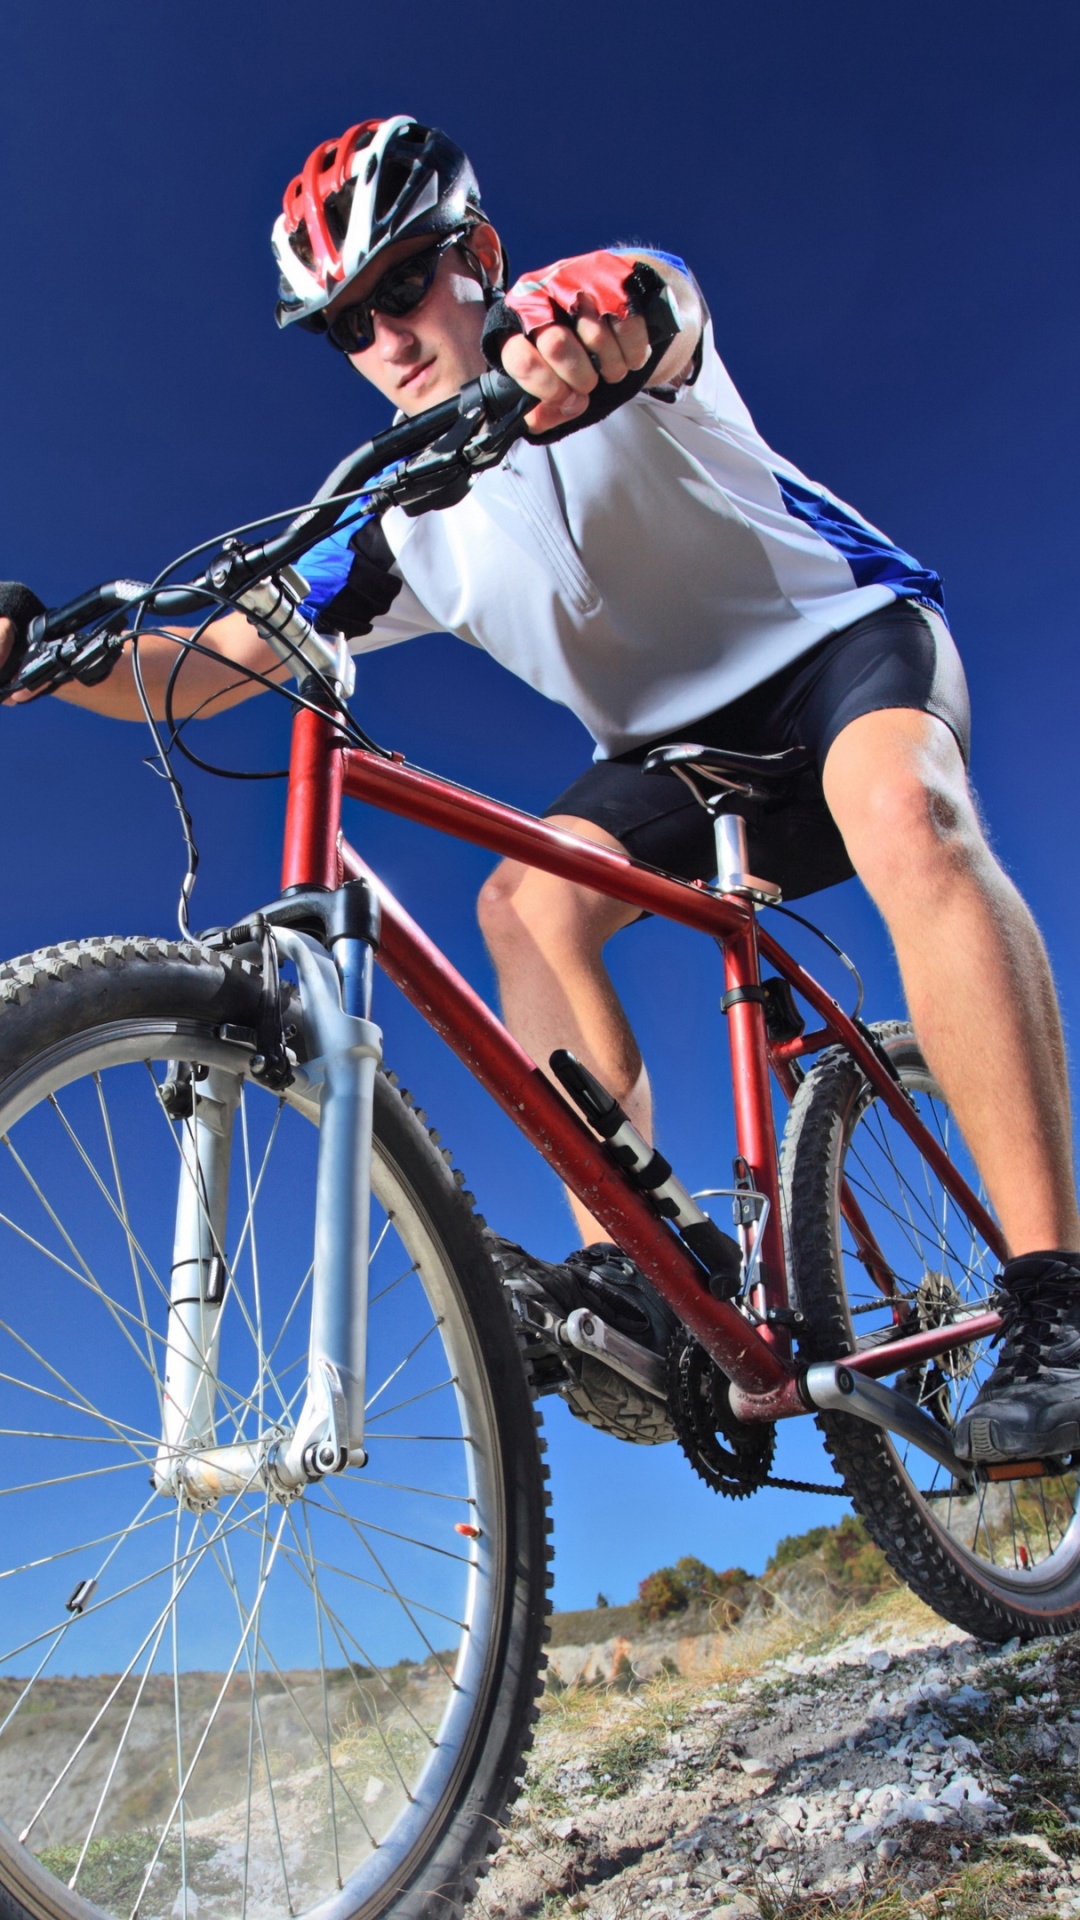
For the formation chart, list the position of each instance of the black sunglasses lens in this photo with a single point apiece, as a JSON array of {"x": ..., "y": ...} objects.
[
  {"x": 352, "y": 332},
  {"x": 396, "y": 294},
  {"x": 403, "y": 289}
]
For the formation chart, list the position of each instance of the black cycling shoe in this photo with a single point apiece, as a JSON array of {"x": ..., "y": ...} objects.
[
  {"x": 599, "y": 1278},
  {"x": 1029, "y": 1408}
]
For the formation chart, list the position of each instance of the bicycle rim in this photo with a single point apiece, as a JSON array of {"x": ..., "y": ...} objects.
[
  {"x": 259, "y": 1708},
  {"x": 1018, "y": 1540}
]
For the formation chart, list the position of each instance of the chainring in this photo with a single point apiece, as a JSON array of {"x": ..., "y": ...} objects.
[{"x": 731, "y": 1456}]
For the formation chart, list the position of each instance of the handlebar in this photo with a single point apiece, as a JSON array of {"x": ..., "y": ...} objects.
[{"x": 420, "y": 462}]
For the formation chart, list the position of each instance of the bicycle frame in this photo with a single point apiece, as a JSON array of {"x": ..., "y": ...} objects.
[{"x": 755, "y": 1353}]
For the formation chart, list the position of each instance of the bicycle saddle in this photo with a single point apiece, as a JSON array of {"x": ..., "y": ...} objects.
[{"x": 754, "y": 776}]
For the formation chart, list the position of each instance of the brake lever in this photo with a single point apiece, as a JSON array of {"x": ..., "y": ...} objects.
[{"x": 54, "y": 663}]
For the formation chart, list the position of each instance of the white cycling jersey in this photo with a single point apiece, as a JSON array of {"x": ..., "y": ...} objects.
[{"x": 642, "y": 572}]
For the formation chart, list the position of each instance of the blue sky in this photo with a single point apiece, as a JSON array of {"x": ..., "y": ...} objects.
[{"x": 881, "y": 206}]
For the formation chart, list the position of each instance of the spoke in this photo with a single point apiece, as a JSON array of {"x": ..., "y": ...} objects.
[
  {"x": 407, "y": 1539},
  {"x": 79, "y": 1402},
  {"x": 402, "y": 1364},
  {"x": 395, "y": 1590},
  {"x": 342, "y": 1633},
  {"x": 120, "y": 1745},
  {"x": 163, "y": 1615},
  {"x": 98, "y": 1606},
  {"x": 314, "y": 1579},
  {"x": 391, "y": 1284},
  {"x": 84, "y": 1546},
  {"x": 86, "y": 1277},
  {"x": 425, "y": 1493},
  {"x": 136, "y": 1273},
  {"x": 47, "y": 1253},
  {"x": 255, "y": 1718},
  {"x": 425, "y": 1394},
  {"x": 84, "y": 1473},
  {"x": 204, "y": 1736},
  {"x": 389, "y": 1593}
]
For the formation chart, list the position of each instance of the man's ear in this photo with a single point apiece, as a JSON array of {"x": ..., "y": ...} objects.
[{"x": 484, "y": 245}]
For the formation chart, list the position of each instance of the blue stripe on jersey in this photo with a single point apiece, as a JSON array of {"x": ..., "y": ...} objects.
[
  {"x": 326, "y": 566},
  {"x": 672, "y": 259},
  {"x": 874, "y": 560}
]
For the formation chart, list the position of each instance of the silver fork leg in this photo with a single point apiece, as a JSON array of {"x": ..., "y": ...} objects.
[
  {"x": 344, "y": 1051},
  {"x": 347, "y": 1050},
  {"x": 198, "y": 1271}
]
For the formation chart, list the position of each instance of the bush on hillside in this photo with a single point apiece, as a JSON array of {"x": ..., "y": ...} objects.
[
  {"x": 690, "y": 1583},
  {"x": 853, "y": 1565}
]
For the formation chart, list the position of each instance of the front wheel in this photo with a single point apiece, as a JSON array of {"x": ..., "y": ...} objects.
[
  {"x": 1004, "y": 1559},
  {"x": 262, "y": 1707}
]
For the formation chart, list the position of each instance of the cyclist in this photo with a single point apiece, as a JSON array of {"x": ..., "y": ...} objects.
[{"x": 646, "y": 559}]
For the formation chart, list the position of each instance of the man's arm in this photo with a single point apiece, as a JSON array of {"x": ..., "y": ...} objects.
[
  {"x": 209, "y": 685},
  {"x": 552, "y": 359}
]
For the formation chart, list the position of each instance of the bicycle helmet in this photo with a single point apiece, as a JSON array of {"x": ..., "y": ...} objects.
[{"x": 384, "y": 180}]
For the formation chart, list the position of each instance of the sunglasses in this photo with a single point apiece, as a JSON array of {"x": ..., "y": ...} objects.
[{"x": 399, "y": 292}]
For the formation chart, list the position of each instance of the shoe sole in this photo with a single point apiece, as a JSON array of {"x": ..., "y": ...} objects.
[{"x": 986, "y": 1447}]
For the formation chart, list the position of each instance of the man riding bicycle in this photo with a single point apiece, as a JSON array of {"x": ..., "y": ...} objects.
[{"x": 644, "y": 558}]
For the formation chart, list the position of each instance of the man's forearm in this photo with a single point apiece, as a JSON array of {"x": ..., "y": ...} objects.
[{"x": 204, "y": 685}]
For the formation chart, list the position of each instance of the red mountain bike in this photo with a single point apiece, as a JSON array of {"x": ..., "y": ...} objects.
[{"x": 274, "y": 1566}]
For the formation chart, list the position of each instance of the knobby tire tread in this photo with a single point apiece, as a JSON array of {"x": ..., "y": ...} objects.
[
  {"x": 814, "y": 1137},
  {"x": 74, "y": 986}
]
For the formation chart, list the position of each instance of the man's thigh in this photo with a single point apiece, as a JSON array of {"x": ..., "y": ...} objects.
[{"x": 901, "y": 658}]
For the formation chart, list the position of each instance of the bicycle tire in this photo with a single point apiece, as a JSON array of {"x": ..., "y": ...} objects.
[
  {"x": 77, "y": 1021},
  {"x": 1005, "y": 1560}
]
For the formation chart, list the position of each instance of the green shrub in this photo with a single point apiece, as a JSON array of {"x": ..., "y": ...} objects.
[{"x": 690, "y": 1583}]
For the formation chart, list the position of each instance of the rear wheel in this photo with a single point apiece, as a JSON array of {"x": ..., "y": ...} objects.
[
  {"x": 257, "y": 1708},
  {"x": 1006, "y": 1558}
]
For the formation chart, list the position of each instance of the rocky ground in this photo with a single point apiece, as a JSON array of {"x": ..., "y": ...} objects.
[{"x": 881, "y": 1767}]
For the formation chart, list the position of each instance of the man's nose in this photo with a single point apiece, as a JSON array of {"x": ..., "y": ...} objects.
[{"x": 394, "y": 339}]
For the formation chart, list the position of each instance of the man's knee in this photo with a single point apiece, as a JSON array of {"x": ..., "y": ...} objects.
[
  {"x": 520, "y": 907},
  {"x": 903, "y": 806}
]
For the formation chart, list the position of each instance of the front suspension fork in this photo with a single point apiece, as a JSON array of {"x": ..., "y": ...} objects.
[{"x": 343, "y": 1049}]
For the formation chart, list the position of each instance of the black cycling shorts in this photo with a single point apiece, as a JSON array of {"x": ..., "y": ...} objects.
[{"x": 901, "y": 656}]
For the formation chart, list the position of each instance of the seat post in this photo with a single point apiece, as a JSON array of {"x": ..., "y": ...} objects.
[{"x": 732, "y": 859}]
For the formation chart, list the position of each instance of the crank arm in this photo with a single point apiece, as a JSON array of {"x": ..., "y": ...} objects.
[
  {"x": 589, "y": 1334},
  {"x": 836, "y": 1389}
]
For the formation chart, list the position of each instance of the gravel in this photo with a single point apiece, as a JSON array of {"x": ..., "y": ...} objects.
[{"x": 895, "y": 1758}]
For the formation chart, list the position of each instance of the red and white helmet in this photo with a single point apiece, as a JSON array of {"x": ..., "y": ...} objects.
[{"x": 384, "y": 180}]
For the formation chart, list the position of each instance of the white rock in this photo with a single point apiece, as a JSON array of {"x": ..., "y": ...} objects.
[
  {"x": 754, "y": 1767},
  {"x": 1038, "y": 1843},
  {"x": 564, "y": 1828},
  {"x": 374, "y": 1790}
]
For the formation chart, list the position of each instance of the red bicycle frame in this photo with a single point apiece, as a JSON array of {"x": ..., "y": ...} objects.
[{"x": 756, "y": 1357}]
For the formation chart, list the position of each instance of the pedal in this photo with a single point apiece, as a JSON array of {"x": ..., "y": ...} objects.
[{"x": 1022, "y": 1469}]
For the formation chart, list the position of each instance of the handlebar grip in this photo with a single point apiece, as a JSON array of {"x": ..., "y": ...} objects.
[{"x": 501, "y": 394}]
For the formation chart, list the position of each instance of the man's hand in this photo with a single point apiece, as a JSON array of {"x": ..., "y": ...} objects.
[
  {"x": 560, "y": 356},
  {"x": 7, "y": 641}
]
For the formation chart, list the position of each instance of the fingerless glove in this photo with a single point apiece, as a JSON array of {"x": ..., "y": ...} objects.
[{"x": 19, "y": 605}]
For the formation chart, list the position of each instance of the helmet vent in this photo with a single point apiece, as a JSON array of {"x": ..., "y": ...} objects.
[
  {"x": 394, "y": 176},
  {"x": 302, "y": 247}
]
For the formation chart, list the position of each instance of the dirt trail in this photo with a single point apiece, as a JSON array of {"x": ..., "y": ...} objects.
[{"x": 884, "y": 1766}]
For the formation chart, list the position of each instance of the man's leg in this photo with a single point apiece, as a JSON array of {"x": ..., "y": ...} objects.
[
  {"x": 546, "y": 937},
  {"x": 974, "y": 969}
]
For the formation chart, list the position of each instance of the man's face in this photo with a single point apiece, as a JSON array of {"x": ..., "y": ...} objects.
[{"x": 427, "y": 355}]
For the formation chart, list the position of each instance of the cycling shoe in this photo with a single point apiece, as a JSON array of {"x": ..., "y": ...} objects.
[{"x": 1029, "y": 1407}]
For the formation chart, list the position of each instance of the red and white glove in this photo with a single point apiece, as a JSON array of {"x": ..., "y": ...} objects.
[
  {"x": 594, "y": 283},
  {"x": 576, "y": 336}
]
